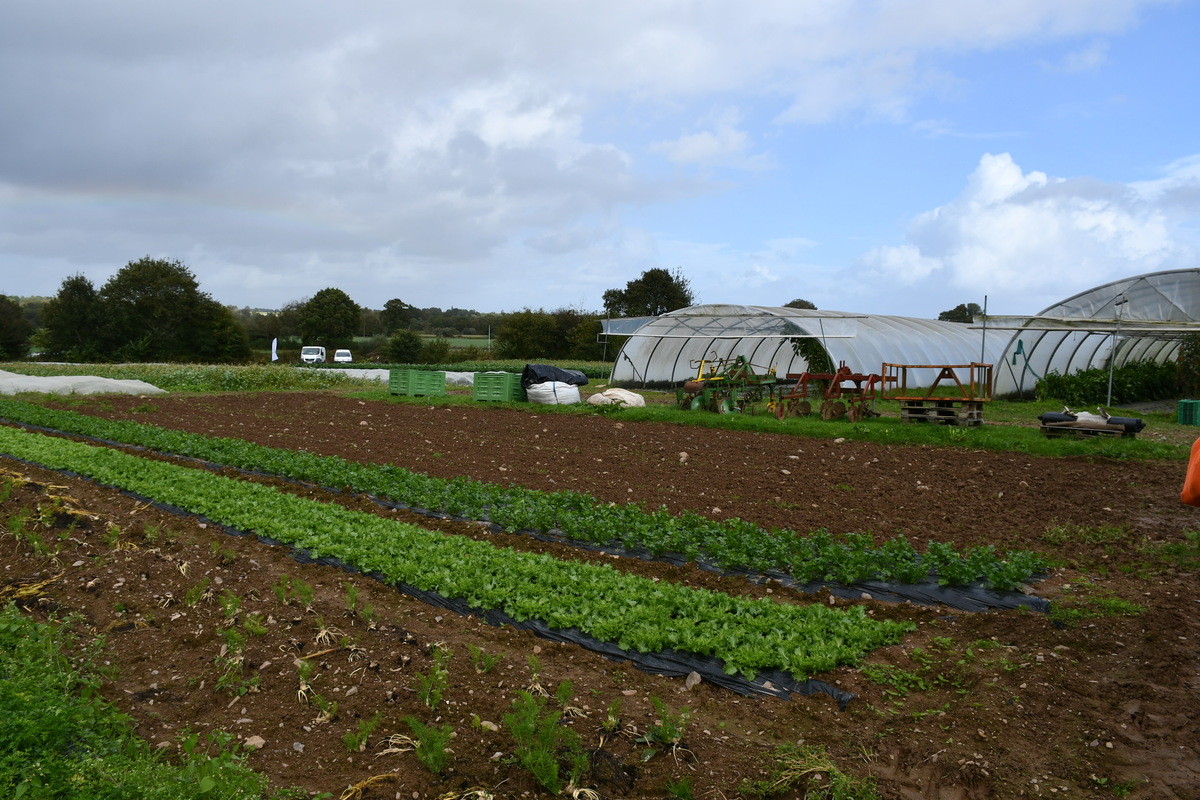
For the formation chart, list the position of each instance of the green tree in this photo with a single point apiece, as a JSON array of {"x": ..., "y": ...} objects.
[
  {"x": 15, "y": 329},
  {"x": 289, "y": 320},
  {"x": 155, "y": 311},
  {"x": 396, "y": 314},
  {"x": 963, "y": 312},
  {"x": 813, "y": 352},
  {"x": 147, "y": 304},
  {"x": 261, "y": 326},
  {"x": 32, "y": 308},
  {"x": 404, "y": 347},
  {"x": 583, "y": 341},
  {"x": 329, "y": 317},
  {"x": 528, "y": 334},
  {"x": 436, "y": 351},
  {"x": 657, "y": 291},
  {"x": 372, "y": 325},
  {"x": 219, "y": 337},
  {"x": 803, "y": 304},
  {"x": 73, "y": 321}
]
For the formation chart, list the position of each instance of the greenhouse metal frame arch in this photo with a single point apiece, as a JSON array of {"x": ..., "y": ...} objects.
[
  {"x": 668, "y": 349},
  {"x": 1142, "y": 318}
]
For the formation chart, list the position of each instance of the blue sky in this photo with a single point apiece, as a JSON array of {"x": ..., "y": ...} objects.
[{"x": 876, "y": 157}]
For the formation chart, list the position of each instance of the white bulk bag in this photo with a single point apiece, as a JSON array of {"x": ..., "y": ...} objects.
[{"x": 552, "y": 393}]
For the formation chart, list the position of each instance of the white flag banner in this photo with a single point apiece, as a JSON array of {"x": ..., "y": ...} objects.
[{"x": 274, "y": 345}]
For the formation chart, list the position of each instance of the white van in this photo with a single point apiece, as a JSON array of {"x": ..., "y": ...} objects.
[
  {"x": 312, "y": 355},
  {"x": 342, "y": 357}
]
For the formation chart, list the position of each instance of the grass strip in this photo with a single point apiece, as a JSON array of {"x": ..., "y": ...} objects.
[
  {"x": 1024, "y": 437},
  {"x": 641, "y": 615},
  {"x": 730, "y": 544}
]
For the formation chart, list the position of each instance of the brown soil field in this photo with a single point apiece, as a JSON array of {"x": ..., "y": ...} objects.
[{"x": 1002, "y": 704}]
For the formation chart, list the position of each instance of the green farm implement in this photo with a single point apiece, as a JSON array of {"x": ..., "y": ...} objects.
[{"x": 727, "y": 385}]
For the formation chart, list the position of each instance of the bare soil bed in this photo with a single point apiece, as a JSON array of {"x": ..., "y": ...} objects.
[{"x": 984, "y": 705}]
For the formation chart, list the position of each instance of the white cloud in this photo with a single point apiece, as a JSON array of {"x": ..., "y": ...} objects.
[
  {"x": 291, "y": 145},
  {"x": 998, "y": 180},
  {"x": 706, "y": 147},
  {"x": 937, "y": 128},
  {"x": 904, "y": 263},
  {"x": 726, "y": 144},
  {"x": 1177, "y": 193},
  {"x": 789, "y": 248},
  {"x": 1088, "y": 59},
  {"x": 1015, "y": 232},
  {"x": 879, "y": 86}
]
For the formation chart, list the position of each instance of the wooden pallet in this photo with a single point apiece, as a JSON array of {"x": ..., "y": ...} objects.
[{"x": 942, "y": 412}]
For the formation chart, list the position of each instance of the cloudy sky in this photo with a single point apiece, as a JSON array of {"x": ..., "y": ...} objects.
[{"x": 877, "y": 156}]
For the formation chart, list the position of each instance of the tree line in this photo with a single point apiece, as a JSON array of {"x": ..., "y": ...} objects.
[{"x": 154, "y": 310}]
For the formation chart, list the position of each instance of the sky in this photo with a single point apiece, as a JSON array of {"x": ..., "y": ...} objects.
[{"x": 873, "y": 156}]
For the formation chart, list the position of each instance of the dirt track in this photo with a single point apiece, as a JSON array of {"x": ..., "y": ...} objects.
[{"x": 1007, "y": 704}]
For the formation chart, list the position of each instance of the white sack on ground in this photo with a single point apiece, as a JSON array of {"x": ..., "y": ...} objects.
[
  {"x": 12, "y": 383},
  {"x": 552, "y": 393},
  {"x": 617, "y": 397}
]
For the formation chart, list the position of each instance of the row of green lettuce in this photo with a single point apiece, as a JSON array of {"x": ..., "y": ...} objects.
[
  {"x": 639, "y": 614},
  {"x": 732, "y": 544}
]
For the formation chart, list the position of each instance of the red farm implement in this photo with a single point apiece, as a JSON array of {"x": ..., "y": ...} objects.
[{"x": 844, "y": 393}]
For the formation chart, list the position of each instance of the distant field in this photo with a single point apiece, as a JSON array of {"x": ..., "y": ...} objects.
[{"x": 463, "y": 341}]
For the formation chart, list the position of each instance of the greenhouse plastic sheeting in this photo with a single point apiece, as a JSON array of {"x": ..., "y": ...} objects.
[
  {"x": 1157, "y": 298},
  {"x": 668, "y": 349}
]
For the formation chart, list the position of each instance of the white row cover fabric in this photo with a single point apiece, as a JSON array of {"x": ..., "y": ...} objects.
[
  {"x": 1168, "y": 300},
  {"x": 668, "y": 349}
]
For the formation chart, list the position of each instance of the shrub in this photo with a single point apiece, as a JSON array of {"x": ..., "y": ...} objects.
[
  {"x": 436, "y": 351},
  {"x": 404, "y": 347},
  {"x": 1132, "y": 383}
]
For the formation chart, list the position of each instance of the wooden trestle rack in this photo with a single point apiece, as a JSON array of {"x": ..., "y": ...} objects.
[{"x": 956, "y": 397}]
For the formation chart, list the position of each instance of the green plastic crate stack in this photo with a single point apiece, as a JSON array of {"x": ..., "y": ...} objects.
[
  {"x": 498, "y": 387},
  {"x": 398, "y": 381},
  {"x": 417, "y": 382},
  {"x": 1188, "y": 412}
]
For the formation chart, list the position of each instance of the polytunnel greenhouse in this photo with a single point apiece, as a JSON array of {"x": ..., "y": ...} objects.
[
  {"x": 668, "y": 349},
  {"x": 1134, "y": 319}
]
